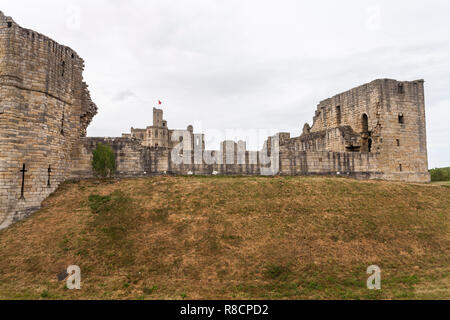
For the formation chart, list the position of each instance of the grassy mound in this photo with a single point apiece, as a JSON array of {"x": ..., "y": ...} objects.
[{"x": 232, "y": 238}]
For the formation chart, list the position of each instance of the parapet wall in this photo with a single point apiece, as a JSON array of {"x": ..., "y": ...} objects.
[
  {"x": 132, "y": 158},
  {"x": 135, "y": 160}
]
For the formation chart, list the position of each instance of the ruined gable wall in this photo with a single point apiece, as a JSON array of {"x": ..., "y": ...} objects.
[
  {"x": 352, "y": 103},
  {"x": 346, "y": 109},
  {"x": 44, "y": 109},
  {"x": 401, "y": 148}
]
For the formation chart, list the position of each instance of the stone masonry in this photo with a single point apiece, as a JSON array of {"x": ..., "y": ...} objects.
[
  {"x": 45, "y": 109},
  {"x": 374, "y": 131}
]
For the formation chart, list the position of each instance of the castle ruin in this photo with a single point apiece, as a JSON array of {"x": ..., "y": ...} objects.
[{"x": 374, "y": 131}]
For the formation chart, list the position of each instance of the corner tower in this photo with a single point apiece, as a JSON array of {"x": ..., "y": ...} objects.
[{"x": 45, "y": 108}]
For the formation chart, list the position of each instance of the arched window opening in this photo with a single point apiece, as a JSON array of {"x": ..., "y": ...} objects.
[
  {"x": 365, "y": 123},
  {"x": 366, "y": 139}
]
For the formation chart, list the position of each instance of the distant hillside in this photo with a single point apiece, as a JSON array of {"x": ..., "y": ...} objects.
[{"x": 232, "y": 238}]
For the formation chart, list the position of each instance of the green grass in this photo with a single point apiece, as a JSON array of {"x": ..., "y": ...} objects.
[{"x": 232, "y": 238}]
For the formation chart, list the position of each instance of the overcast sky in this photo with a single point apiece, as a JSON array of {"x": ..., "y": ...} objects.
[{"x": 234, "y": 65}]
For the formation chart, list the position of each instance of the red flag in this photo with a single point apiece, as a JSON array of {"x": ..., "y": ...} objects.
[{"x": 159, "y": 101}]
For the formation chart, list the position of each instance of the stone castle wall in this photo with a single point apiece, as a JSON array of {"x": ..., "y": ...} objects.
[
  {"x": 374, "y": 131},
  {"x": 135, "y": 160},
  {"x": 45, "y": 108},
  {"x": 394, "y": 129},
  {"x": 132, "y": 158}
]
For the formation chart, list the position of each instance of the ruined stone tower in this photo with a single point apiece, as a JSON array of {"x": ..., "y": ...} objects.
[
  {"x": 376, "y": 130},
  {"x": 45, "y": 108}
]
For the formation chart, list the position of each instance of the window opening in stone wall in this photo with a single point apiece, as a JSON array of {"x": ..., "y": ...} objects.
[
  {"x": 366, "y": 139},
  {"x": 400, "y": 167},
  {"x": 62, "y": 122},
  {"x": 398, "y": 142},
  {"x": 63, "y": 64},
  {"x": 338, "y": 115},
  {"x": 365, "y": 123},
  {"x": 401, "y": 88},
  {"x": 49, "y": 171},
  {"x": 401, "y": 118},
  {"x": 9, "y": 24}
]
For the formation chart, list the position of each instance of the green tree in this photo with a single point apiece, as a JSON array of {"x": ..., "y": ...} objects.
[
  {"x": 103, "y": 161},
  {"x": 440, "y": 174}
]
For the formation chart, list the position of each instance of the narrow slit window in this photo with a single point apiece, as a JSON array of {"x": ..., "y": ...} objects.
[
  {"x": 398, "y": 142},
  {"x": 338, "y": 115},
  {"x": 401, "y": 88},
  {"x": 62, "y": 122},
  {"x": 63, "y": 65},
  {"x": 49, "y": 170},
  {"x": 9, "y": 24},
  {"x": 401, "y": 118},
  {"x": 400, "y": 167}
]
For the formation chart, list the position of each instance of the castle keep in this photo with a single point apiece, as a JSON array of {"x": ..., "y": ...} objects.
[{"x": 374, "y": 131}]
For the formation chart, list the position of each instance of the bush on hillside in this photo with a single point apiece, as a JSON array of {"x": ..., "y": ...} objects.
[
  {"x": 103, "y": 161},
  {"x": 440, "y": 174}
]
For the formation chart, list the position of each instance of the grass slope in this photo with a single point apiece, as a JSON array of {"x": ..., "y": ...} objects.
[{"x": 232, "y": 238}]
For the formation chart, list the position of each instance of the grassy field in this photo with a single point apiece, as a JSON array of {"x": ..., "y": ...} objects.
[{"x": 232, "y": 238}]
